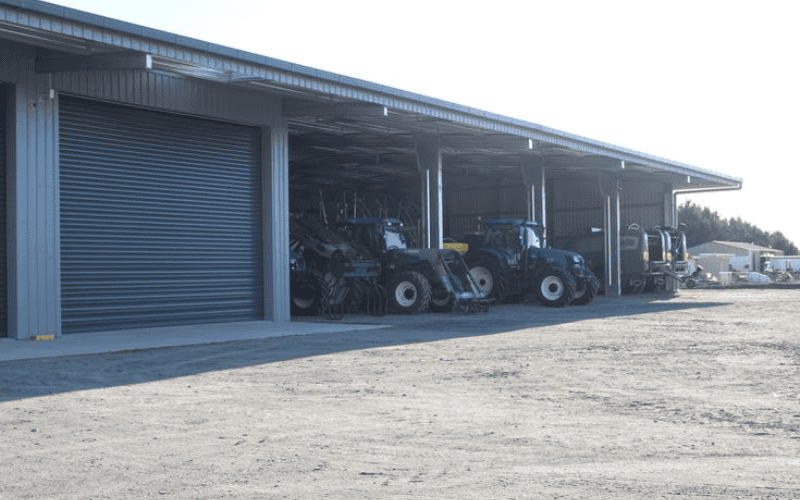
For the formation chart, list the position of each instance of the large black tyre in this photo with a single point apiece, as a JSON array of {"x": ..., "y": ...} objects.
[
  {"x": 554, "y": 287},
  {"x": 441, "y": 299},
  {"x": 307, "y": 295},
  {"x": 586, "y": 290},
  {"x": 489, "y": 277},
  {"x": 409, "y": 292},
  {"x": 356, "y": 295},
  {"x": 630, "y": 288}
]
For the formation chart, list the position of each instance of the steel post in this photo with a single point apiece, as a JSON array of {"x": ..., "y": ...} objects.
[{"x": 429, "y": 163}]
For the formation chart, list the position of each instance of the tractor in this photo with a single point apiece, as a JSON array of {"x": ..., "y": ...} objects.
[
  {"x": 414, "y": 279},
  {"x": 508, "y": 260}
]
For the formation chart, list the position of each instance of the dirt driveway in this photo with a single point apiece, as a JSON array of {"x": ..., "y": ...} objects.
[{"x": 696, "y": 396}]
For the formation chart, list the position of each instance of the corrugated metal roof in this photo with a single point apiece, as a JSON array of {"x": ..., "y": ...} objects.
[{"x": 470, "y": 137}]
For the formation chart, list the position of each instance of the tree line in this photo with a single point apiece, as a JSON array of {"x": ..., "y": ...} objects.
[{"x": 703, "y": 226}]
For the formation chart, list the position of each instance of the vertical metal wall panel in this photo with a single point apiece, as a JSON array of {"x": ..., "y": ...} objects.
[
  {"x": 670, "y": 210},
  {"x": 575, "y": 207},
  {"x": 275, "y": 210},
  {"x": 3, "y": 260},
  {"x": 647, "y": 216},
  {"x": 32, "y": 185},
  {"x": 172, "y": 93},
  {"x": 160, "y": 218},
  {"x": 472, "y": 197},
  {"x": 513, "y": 201},
  {"x": 16, "y": 60},
  {"x": 642, "y": 203}
]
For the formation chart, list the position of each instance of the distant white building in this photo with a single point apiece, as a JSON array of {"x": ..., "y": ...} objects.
[
  {"x": 747, "y": 257},
  {"x": 789, "y": 263}
]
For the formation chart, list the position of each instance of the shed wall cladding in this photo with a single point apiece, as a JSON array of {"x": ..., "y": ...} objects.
[
  {"x": 577, "y": 205},
  {"x": 160, "y": 218},
  {"x": 574, "y": 206},
  {"x": 171, "y": 93},
  {"x": 469, "y": 198},
  {"x": 4, "y": 119},
  {"x": 642, "y": 203}
]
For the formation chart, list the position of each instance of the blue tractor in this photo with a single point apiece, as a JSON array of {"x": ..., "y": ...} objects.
[
  {"x": 415, "y": 280},
  {"x": 508, "y": 260}
]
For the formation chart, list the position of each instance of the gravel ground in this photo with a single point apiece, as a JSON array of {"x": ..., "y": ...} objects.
[{"x": 688, "y": 396}]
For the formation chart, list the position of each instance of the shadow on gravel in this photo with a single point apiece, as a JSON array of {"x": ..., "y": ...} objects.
[{"x": 48, "y": 376}]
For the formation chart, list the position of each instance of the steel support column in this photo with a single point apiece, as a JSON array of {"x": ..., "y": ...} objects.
[
  {"x": 528, "y": 168},
  {"x": 275, "y": 214},
  {"x": 670, "y": 219},
  {"x": 429, "y": 163},
  {"x": 616, "y": 219},
  {"x": 610, "y": 190},
  {"x": 34, "y": 245},
  {"x": 533, "y": 174},
  {"x": 670, "y": 210},
  {"x": 543, "y": 208}
]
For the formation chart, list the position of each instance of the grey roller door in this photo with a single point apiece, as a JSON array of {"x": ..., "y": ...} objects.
[
  {"x": 160, "y": 218},
  {"x": 3, "y": 259}
]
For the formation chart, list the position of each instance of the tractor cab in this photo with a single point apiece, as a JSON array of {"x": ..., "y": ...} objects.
[
  {"x": 513, "y": 233},
  {"x": 513, "y": 238},
  {"x": 376, "y": 235}
]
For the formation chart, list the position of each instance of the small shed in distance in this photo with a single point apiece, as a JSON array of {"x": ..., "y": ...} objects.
[
  {"x": 788, "y": 263},
  {"x": 746, "y": 256}
]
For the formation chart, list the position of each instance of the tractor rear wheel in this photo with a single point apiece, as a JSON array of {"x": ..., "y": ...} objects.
[{"x": 409, "y": 292}]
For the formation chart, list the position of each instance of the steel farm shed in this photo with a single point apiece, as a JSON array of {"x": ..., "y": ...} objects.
[{"x": 148, "y": 175}]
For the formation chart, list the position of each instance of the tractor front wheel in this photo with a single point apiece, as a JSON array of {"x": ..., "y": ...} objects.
[
  {"x": 307, "y": 295},
  {"x": 489, "y": 278},
  {"x": 441, "y": 299},
  {"x": 554, "y": 288},
  {"x": 586, "y": 290}
]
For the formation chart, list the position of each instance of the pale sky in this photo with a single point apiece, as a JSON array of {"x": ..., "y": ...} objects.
[{"x": 711, "y": 84}]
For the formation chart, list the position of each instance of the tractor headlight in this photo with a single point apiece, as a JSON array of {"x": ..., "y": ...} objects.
[{"x": 646, "y": 256}]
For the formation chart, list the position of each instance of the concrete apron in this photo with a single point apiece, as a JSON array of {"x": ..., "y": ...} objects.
[{"x": 167, "y": 336}]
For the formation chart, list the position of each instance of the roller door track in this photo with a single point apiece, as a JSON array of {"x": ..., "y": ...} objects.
[{"x": 160, "y": 219}]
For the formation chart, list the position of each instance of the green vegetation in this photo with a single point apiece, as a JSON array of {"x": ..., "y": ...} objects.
[{"x": 703, "y": 226}]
